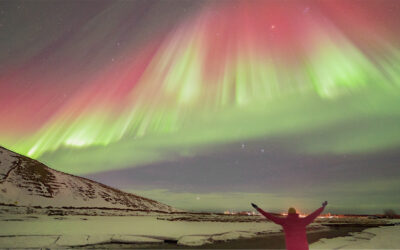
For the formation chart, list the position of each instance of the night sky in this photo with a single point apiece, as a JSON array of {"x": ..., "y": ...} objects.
[{"x": 210, "y": 105}]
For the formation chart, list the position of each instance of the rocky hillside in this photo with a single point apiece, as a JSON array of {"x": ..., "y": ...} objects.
[{"x": 27, "y": 182}]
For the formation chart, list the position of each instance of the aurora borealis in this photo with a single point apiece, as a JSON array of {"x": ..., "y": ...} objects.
[{"x": 191, "y": 96}]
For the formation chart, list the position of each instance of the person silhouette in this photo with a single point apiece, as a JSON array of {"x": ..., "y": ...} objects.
[{"x": 294, "y": 226}]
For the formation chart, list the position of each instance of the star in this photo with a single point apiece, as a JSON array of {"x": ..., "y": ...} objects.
[{"x": 306, "y": 10}]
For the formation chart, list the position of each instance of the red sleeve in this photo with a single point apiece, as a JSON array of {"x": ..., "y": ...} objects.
[
  {"x": 270, "y": 217},
  {"x": 311, "y": 217}
]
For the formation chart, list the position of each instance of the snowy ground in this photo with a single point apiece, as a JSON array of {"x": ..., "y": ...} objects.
[
  {"x": 43, "y": 231},
  {"x": 373, "y": 238},
  {"x": 31, "y": 231}
]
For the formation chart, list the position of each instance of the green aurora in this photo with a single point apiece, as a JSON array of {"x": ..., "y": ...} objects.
[{"x": 305, "y": 77}]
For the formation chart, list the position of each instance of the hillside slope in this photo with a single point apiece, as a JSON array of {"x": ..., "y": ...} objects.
[{"x": 27, "y": 182}]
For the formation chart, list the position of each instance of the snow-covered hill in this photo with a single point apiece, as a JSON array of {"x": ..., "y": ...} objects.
[{"x": 27, "y": 182}]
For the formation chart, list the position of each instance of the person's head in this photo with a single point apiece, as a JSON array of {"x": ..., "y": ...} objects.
[{"x": 292, "y": 210}]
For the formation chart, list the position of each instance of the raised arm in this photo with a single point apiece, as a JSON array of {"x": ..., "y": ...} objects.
[
  {"x": 311, "y": 217},
  {"x": 269, "y": 216}
]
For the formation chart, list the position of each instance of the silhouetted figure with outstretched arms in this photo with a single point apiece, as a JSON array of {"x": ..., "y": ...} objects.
[{"x": 294, "y": 226}]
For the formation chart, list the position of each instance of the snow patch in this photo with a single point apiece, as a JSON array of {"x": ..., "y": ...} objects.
[
  {"x": 373, "y": 238},
  {"x": 31, "y": 241},
  {"x": 135, "y": 238},
  {"x": 198, "y": 240},
  {"x": 194, "y": 240}
]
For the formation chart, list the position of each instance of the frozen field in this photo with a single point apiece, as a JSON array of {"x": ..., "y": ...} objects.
[
  {"x": 373, "y": 238},
  {"x": 38, "y": 231},
  {"x": 25, "y": 231}
]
